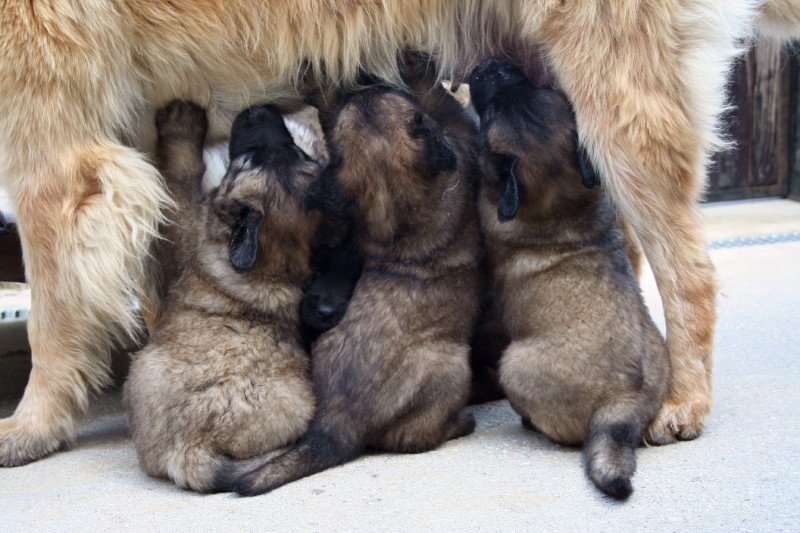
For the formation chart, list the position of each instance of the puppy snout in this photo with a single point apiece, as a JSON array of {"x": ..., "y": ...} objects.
[{"x": 486, "y": 71}]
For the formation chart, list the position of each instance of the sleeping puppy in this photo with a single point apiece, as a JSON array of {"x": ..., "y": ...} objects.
[
  {"x": 586, "y": 363},
  {"x": 394, "y": 373},
  {"x": 225, "y": 374}
]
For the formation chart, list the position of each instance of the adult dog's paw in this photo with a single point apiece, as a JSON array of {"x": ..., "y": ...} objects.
[
  {"x": 19, "y": 446},
  {"x": 679, "y": 420}
]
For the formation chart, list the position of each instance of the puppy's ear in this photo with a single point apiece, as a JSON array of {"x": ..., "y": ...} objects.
[
  {"x": 439, "y": 155},
  {"x": 589, "y": 176},
  {"x": 510, "y": 187},
  {"x": 244, "y": 240}
]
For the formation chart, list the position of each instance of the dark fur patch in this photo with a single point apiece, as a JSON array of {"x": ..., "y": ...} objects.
[
  {"x": 512, "y": 191},
  {"x": 260, "y": 132},
  {"x": 336, "y": 271},
  {"x": 325, "y": 194},
  {"x": 589, "y": 175},
  {"x": 625, "y": 434},
  {"x": 616, "y": 487},
  {"x": 328, "y": 450},
  {"x": 439, "y": 156}
]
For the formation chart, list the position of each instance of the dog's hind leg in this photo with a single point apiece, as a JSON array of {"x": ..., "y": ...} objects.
[
  {"x": 85, "y": 237},
  {"x": 426, "y": 430},
  {"x": 646, "y": 104}
]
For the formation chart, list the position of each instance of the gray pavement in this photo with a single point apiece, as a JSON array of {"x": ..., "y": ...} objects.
[{"x": 742, "y": 474}]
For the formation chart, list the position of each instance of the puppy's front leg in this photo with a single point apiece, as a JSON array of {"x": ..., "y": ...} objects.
[{"x": 182, "y": 128}]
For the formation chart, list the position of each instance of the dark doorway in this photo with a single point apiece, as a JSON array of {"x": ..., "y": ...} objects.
[{"x": 764, "y": 125}]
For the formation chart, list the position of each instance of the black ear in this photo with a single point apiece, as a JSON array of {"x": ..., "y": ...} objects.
[
  {"x": 439, "y": 155},
  {"x": 510, "y": 187},
  {"x": 244, "y": 240},
  {"x": 335, "y": 203},
  {"x": 589, "y": 176}
]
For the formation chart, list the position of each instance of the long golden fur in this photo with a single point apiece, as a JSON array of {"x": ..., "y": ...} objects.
[
  {"x": 81, "y": 81},
  {"x": 225, "y": 373}
]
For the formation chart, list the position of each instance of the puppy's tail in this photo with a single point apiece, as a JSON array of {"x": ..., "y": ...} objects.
[
  {"x": 318, "y": 450},
  {"x": 609, "y": 450}
]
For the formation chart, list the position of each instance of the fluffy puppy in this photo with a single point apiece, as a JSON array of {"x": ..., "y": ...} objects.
[
  {"x": 81, "y": 81},
  {"x": 586, "y": 363},
  {"x": 418, "y": 71},
  {"x": 394, "y": 373},
  {"x": 225, "y": 373}
]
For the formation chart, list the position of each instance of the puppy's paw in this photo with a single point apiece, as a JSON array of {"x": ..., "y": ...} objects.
[
  {"x": 19, "y": 446},
  {"x": 679, "y": 420},
  {"x": 182, "y": 120},
  {"x": 462, "y": 425}
]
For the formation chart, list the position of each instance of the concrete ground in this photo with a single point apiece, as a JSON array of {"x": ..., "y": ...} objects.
[{"x": 742, "y": 474}]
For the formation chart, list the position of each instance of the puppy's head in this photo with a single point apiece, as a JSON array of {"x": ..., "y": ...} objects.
[
  {"x": 492, "y": 78},
  {"x": 336, "y": 272},
  {"x": 391, "y": 160},
  {"x": 258, "y": 207},
  {"x": 532, "y": 155}
]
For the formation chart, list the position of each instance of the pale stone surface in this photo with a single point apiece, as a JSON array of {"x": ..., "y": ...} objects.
[{"x": 743, "y": 473}]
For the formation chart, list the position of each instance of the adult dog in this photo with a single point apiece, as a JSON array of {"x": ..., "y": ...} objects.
[{"x": 81, "y": 81}]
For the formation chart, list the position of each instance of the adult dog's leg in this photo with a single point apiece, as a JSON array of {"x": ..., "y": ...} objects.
[
  {"x": 85, "y": 236},
  {"x": 647, "y": 83}
]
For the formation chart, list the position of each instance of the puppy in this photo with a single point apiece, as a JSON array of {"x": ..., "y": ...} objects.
[
  {"x": 81, "y": 82},
  {"x": 336, "y": 271},
  {"x": 225, "y": 373},
  {"x": 586, "y": 363},
  {"x": 394, "y": 373}
]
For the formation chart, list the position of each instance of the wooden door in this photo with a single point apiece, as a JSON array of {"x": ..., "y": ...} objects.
[{"x": 764, "y": 159}]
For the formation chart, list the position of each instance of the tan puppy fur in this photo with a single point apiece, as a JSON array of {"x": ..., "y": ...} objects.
[
  {"x": 586, "y": 362},
  {"x": 81, "y": 81},
  {"x": 225, "y": 373},
  {"x": 394, "y": 373}
]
